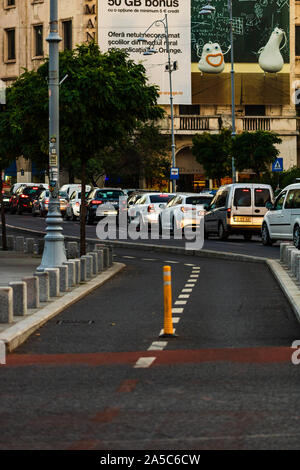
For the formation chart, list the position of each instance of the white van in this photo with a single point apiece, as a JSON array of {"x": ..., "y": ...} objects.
[
  {"x": 282, "y": 221},
  {"x": 69, "y": 188},
  {"x": 237, "y": 208}
]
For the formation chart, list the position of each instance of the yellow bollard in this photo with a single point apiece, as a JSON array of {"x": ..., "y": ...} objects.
[{"x": 168, "y": 322}]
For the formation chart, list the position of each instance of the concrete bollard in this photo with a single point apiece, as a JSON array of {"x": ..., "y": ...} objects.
[
  {"x": 77, "y": 270},
  {"x": 63, "y": 278},
  {"x": 284, "y": 253},
  {"x": 283, "y": 247},
  {"x": 71, "y": 273},
  {"x": 295, "y": 256},
  {"x": 94, "y": 256},
  {"x": 6, "y": 305},
  {"x": 99, "y": 260},
  {"x": 89, "y": 268},
  {"x": 44, "y": 284},
  {"x": 105, "y": 254},
  {"x": 20, "y": 244},
  {"x": 33, "y": 291},
  {"x": 29, "y": 245},
  {"x": 19, "y": 298},
  {"x": 10, "y": 239},
  {"x": 54, "y": 281},
  {"x": 72, "y": 249},
  {"x": 290, "y": 250},
  {"x": 83, "y": 269}
]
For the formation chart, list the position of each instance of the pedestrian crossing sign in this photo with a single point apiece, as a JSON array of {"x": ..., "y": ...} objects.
[{"x": 278, "y": 165}]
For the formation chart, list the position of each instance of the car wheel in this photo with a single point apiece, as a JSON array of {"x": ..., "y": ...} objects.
[
  {"x": 296, "y": 237},
  {"x": 222, "y": 235},
  {"x": 265, "y": 236},
  {"x": 247, "y": 236}
]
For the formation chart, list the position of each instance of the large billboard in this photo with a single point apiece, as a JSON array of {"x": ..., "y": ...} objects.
[
  {"x": 253, "y": 23},
  {"x": 123, "y": 22}
]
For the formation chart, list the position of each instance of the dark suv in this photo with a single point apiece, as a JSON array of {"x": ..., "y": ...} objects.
[
  {"x": 104, "y": 203},
  {"x": 22, "y": 200}
]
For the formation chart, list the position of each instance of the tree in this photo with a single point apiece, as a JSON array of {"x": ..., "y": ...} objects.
[
  {"x": 212, "y": 151},
  {"x": 103, "y": 99},
  {"x": 255, "y": 151}
]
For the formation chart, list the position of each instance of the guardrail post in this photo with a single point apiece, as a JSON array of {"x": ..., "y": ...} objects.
[
  {"x": 168, "y": 321},
  {"x": 6, "y": 305},
  {"x": 19, "y": 298}
]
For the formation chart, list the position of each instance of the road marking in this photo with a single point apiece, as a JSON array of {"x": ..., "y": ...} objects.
[
  {"x": 196, "y": 269},
  {"x": 194, "y": 275},
  {"x": 148, "y": 259},
  {"x": 180, "y": 302},
  {"x": 129, "y": 257},
  {"x": 176, "y": 319},
  {"x": 186, "y": 264},
  {"x": 158, "y": 346},
  {"x": 162, "y": 332},
  {"x": 177, "y": 310},
  {"x": 184, "y": 296},
  {"x": 187, "y": 290},
  {"x": 190, "y": 285},
  {"x": 168, "y": 261},
  {"x": 144, "y": 362}
]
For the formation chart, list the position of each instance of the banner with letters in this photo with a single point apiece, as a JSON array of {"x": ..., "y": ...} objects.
[{"x": 122, "y": 22}]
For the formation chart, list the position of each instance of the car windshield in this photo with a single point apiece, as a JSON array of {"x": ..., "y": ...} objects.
[
  {"x": 163, "y": 198},
  {"x": 242, "y": 197},
  {"x": 31, "y": 191},
  {"x": 262, "y": 196},
  {"x": 114, "y": 194}
]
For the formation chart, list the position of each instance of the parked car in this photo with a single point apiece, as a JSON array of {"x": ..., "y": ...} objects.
[
  {"x": 147, "y": 207},
  {"x": 181, "y": 211},
  {"x": 18, "y": 185},
  {"x": 41, "y": 203},
  {"x": 69, "y": 188},
  {"x": 282, "y": 221},
  {"x": 6, "y": 195},
  {"x": 237, "y": 209},
  {"x": 103, "y": 202},
  {"x": 21, "y": 201},
  {"x": 73, "y": 205}
]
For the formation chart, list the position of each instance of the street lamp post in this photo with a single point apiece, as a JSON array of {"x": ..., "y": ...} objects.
[
  {"x": 170, "y": 69},
  {"x": 233, "y": 132},
  {"x": 54, "y": 251}
]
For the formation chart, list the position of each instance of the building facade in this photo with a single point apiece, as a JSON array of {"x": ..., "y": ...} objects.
[{"x": 263, "y": 101}]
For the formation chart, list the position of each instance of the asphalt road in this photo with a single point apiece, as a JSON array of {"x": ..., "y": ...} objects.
[
  {"x": 235, "y": 244},
  {"x": 95, "y": 378}
]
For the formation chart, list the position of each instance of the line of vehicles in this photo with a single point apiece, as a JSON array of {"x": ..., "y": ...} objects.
[{"x": 240, "y": 208}]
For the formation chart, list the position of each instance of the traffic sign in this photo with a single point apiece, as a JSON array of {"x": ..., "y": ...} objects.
[
  {"x": 174, "y": 174},
  {"x": 278, "y": 165}
]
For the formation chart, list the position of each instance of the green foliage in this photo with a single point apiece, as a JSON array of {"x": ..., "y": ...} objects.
[
  {"x": 255, "y": 150},
  {"x": 212, "y": 151}
]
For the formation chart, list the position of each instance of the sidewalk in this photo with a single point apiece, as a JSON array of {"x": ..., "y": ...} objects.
[{"x": 14, "y": 266}]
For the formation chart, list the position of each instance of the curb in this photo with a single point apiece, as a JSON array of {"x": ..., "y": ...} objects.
[
  {"x": 16, "y": 334},
  {"x": 287, "y": 285},
  {"x": 157, "y": 248}
]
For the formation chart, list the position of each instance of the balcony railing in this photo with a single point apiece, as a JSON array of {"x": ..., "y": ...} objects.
[
  {"x": 193, "y": 123},
  {"x": 256, "y": 124}
]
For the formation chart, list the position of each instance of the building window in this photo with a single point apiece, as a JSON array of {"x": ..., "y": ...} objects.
[
  {"x": 10, "y": 3},
  {"x": 255, "y": 110},
  {"x": 67, "y": 34},
  {"x": 38, "y": 40},
  {"x": 189, "y": 109},
  {"x": 11, "y": 44},
  {"x": 297, "y": 39}
]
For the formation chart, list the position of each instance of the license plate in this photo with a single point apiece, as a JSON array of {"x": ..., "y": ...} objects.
[{"x": 242, "y": 219}]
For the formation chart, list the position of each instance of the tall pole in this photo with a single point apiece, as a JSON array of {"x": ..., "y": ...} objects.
[
  {"x": 54, "y": 251},
  {"x": 170, "y": 69},
  {"x": 233, "y": 133}
]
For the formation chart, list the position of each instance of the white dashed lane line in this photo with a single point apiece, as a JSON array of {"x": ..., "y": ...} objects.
[
  {"x": 183, "y": 296},
  {"x": 158, "y": 346},
  {"x": 177, "y": 310},
  {"x": 144, "y": 362}
]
